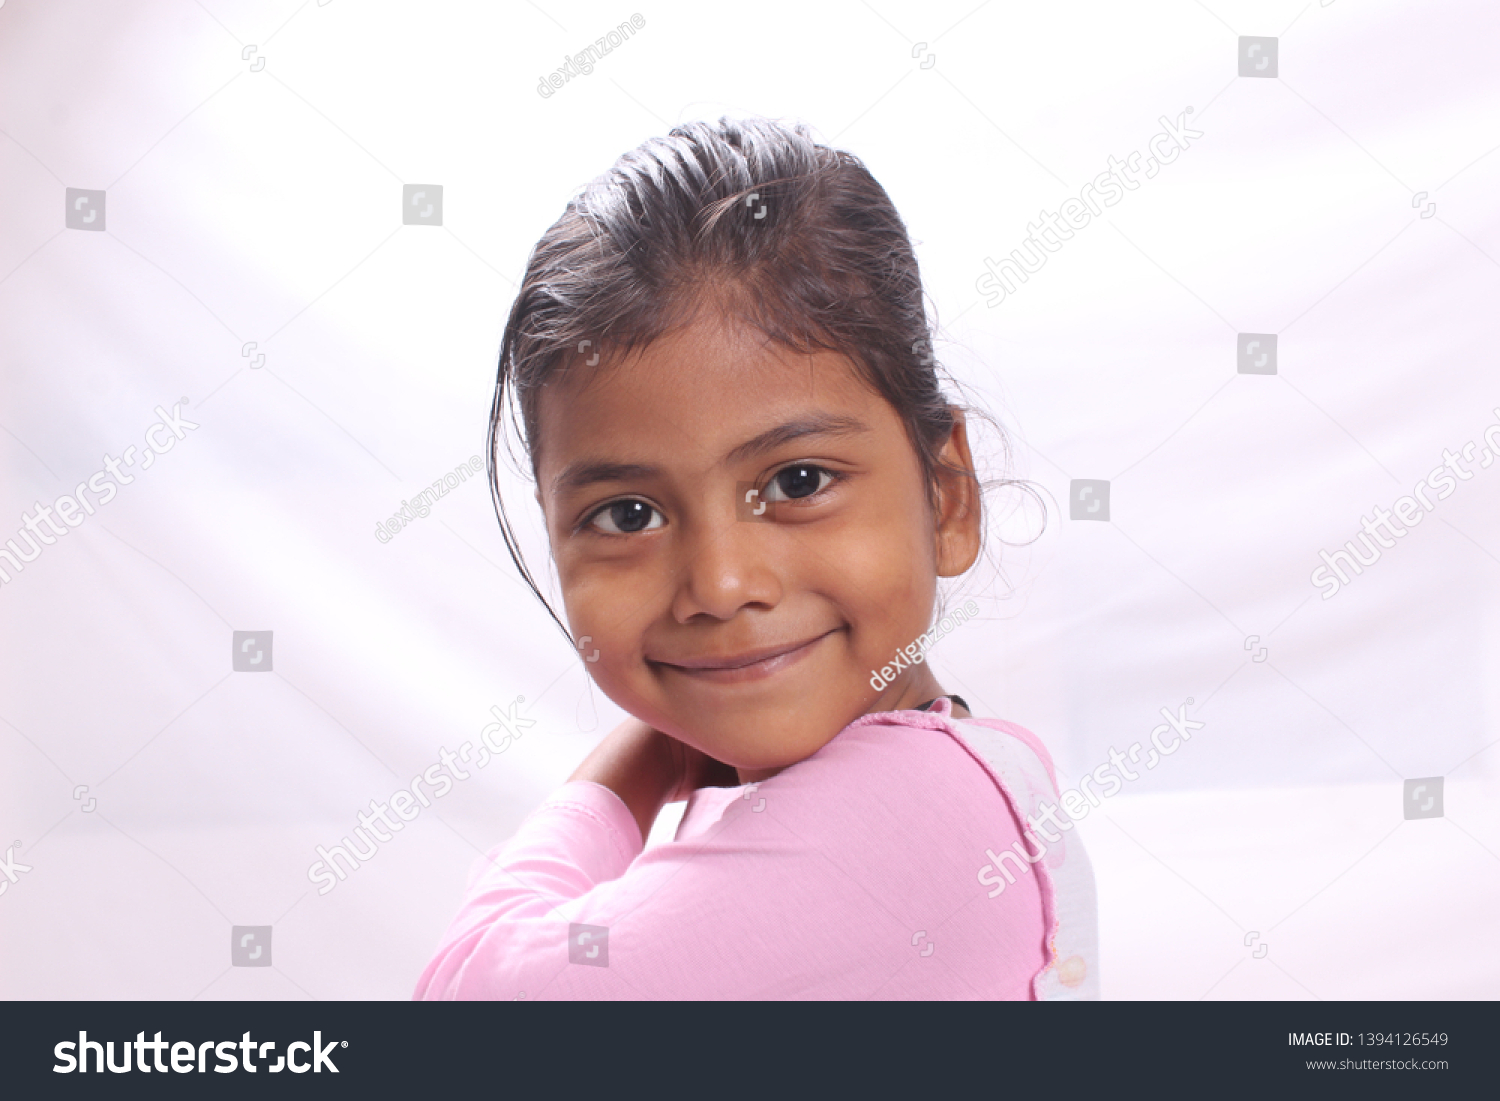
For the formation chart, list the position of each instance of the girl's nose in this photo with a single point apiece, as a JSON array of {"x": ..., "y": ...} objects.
[{"x": 726, "y": 566}]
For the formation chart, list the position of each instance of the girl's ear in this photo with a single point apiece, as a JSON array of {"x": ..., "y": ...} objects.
[{"x": 958, "y": 504}]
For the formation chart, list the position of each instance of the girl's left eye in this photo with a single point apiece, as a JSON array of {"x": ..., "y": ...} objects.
[
  {"x": 797, "y": 481},
  {"x": 626, "y": 518}
]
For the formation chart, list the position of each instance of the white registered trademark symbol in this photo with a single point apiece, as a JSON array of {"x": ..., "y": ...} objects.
[{"x": 344, "y": 1043}]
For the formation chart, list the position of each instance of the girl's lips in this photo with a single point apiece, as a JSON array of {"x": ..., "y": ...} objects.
[{"x": 751, "y": 665}]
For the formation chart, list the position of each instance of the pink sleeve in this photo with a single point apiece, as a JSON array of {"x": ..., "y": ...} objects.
[
  {"x": 853, "y": 874},
  {"x": 581, "y": 836}
]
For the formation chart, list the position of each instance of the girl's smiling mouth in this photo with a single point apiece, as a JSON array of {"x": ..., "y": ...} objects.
[{"x": 747, "y": 666}]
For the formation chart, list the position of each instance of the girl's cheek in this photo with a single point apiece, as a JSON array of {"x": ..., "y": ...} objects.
[
  {"x": 892, "y": 608},
  {"x": 607, "y": 624}
]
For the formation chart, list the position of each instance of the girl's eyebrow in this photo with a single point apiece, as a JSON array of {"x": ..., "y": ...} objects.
[
  {"x": 589, "y": 472},
  {"x": 586, "y": 473},
  {"x": 817, "y": 424}
]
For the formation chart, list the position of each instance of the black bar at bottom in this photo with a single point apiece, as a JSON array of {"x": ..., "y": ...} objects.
[{"x": 767, "y": 1050}]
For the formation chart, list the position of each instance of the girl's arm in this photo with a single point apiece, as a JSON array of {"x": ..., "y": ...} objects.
[
  {"x": 833, "y": 879},
  {"x": 582, "y": 837},
  {"x": 509, "y": 940}
]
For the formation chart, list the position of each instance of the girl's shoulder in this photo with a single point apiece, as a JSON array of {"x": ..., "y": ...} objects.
[
  {"x": 990, "y": 740},
  {"x": 999, "y": 739},
  {"x": 876, "y": 771},
  {"x": 882, "y": 765},
  {"x": 978, "y": 756}
]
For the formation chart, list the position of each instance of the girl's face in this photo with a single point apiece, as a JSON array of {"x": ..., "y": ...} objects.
[{"x": 744, "y": 535}]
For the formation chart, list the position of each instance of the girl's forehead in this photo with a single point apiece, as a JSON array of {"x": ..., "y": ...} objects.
[{"x": 696, "y": 394}]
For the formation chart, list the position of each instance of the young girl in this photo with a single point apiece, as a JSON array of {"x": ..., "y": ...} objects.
[{"x": 751, "y": 483}]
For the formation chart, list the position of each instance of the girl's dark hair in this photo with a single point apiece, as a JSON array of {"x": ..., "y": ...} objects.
[{"x": 793, "y": 237}]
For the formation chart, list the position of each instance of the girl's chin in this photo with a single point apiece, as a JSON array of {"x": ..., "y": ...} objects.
[{"x": 740, "y": 739}]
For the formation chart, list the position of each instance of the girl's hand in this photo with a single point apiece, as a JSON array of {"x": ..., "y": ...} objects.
[{"x": 647, "y": 769}]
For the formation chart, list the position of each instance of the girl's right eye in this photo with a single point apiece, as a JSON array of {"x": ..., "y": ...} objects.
[{"x": 626, "y": 518}]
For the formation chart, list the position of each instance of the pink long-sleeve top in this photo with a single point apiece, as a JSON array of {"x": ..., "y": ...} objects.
[{"x": 851, "y": 874}]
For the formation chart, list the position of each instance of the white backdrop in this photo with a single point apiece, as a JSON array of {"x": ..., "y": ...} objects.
[{"x": 157, "y": 798}]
